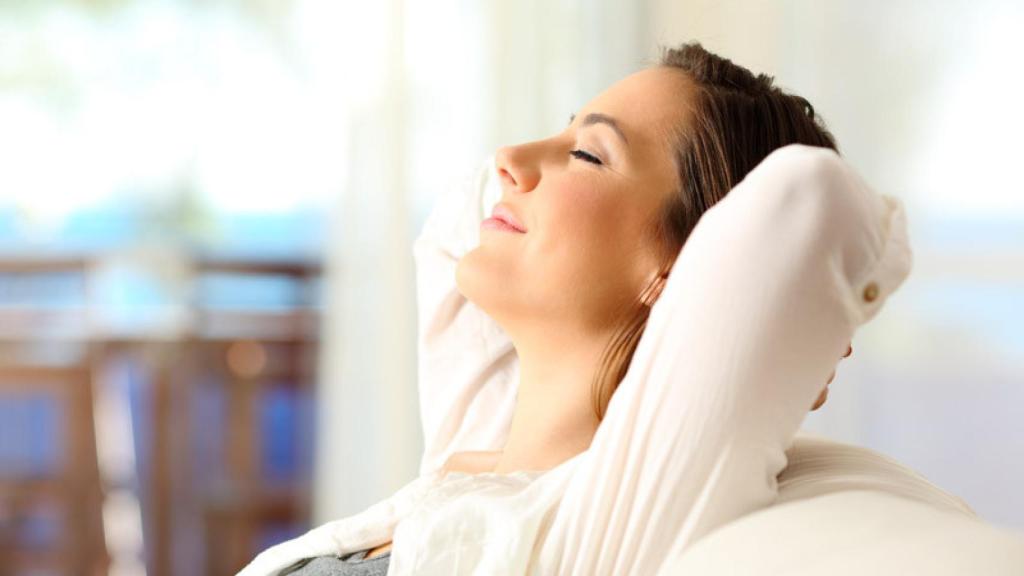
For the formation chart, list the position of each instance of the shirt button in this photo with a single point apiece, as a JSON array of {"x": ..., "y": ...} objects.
[{"x": 870, "y": 292}]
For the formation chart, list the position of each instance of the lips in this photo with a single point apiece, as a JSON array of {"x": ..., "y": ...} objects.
[{"x": 503, "y": 213}]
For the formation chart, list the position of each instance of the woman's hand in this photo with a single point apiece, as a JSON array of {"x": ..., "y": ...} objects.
[{"x": 824, "y": 393}]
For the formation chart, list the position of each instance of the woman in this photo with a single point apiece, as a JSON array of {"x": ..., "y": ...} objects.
[{"x": 702, "y": 376}]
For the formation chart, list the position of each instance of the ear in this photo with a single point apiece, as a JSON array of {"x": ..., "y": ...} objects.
[{"x": 653, "y": 290}]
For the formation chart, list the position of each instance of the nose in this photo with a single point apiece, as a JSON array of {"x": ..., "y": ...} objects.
[{"x": 518, "y": 167}]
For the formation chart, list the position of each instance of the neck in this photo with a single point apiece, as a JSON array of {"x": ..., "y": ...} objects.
[{"x": 554, "y": 415}]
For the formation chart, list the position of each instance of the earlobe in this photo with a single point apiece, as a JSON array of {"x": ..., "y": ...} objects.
[{"x": 654, "y": 289}]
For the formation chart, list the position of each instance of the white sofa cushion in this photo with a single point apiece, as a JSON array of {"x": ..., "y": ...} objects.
[
  {"x": 855, "y": 532},
  {"x": 845, "y": 510},
  {"x": 818, "y": 465}
]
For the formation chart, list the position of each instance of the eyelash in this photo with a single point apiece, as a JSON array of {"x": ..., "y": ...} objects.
[{"x": 581, "y": 155}]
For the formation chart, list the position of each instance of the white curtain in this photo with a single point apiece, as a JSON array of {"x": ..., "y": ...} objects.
[
  {"x": 923, "y": 99},
  {"x": 919, "y": 95},
  {"x": 433, "y": 88}
]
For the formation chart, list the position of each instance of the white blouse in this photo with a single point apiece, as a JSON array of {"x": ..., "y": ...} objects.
[{"x": 762, "y": 301}]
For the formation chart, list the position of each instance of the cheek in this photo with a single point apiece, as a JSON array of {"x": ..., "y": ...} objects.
[
  {"x": 575, "y": 212},
  {"x": 589, "y": 231}
]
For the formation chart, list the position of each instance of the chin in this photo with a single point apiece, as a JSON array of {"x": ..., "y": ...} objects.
[
  {"x": 461, "y": 280},
  {"x": 471, "y": 278},
  {"x": 483, "y": 282}
]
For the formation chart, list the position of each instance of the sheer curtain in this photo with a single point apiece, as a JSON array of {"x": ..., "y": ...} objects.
[
  {"x": 922, "y": 98},
  {"x": 434, "y": 88},
  {"x": 917, "y": 94}
]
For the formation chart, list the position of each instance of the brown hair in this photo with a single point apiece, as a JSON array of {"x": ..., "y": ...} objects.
[{"x": 738, "y": 119}]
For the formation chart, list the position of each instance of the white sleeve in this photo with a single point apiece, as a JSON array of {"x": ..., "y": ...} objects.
[
  {"x": 467, "y": 368},
  {"x": 764, "y": 297}
]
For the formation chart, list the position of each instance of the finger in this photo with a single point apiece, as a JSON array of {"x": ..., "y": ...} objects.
[{"x": 820, "y": 400}]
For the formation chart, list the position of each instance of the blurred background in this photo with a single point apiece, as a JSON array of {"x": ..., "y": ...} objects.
[{"x": 207, "y": 307}]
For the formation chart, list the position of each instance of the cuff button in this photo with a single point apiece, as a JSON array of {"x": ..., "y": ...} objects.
[{"x": 870, "y": 292}]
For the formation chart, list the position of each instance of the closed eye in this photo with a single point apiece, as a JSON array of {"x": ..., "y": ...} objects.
[{"x": 581, "y": 155}]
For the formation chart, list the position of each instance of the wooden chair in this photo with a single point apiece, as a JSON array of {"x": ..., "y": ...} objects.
[{"x": 50, "y": 491}]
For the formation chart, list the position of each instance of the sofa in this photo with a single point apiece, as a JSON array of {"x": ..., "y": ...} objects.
[{"x": 843, "y": 510}]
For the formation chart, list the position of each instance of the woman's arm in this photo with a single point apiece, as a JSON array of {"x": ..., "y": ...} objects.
[
  {"x": 764, "y": 297},
  {"x": 467, "y": 367}
]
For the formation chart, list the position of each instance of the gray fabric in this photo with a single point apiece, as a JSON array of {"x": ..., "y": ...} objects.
[{"x": 352, "y": 564}]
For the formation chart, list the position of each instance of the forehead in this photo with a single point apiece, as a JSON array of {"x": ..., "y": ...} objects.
[{"x": 648, "y": 104}]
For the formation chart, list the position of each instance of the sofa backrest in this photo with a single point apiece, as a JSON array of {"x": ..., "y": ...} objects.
[
  {"x": 846, "y": 510},
  {"x": 818, "y": 465},
  {"x": 853, "y": 533}
]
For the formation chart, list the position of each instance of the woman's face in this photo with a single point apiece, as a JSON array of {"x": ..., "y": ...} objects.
[{"x": 588, "y": 198}]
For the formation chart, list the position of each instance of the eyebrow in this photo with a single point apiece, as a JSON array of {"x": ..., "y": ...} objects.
[{"x": 598, "y": 118}]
